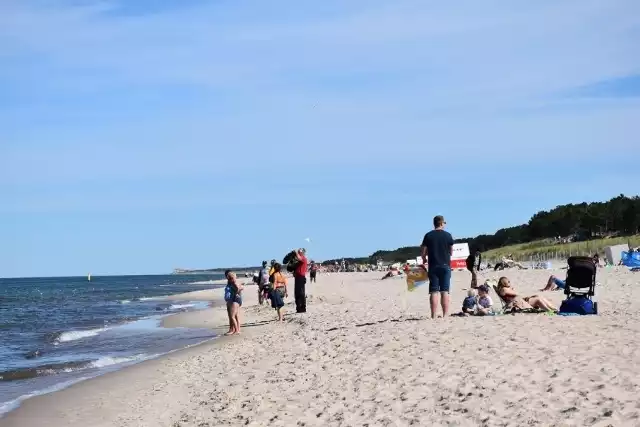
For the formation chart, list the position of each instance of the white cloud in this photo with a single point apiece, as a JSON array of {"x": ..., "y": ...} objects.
[{"x": 470, "y": 46}]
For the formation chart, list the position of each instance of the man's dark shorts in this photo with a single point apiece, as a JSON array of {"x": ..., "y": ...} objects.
[{"x": 439, "y": 279}]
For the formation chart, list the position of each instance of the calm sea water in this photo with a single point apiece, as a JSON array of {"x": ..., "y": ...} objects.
[{"x": 57, "y": 331}]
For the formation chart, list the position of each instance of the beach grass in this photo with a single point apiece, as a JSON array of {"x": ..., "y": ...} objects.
[{"x": 545, "y": 249}]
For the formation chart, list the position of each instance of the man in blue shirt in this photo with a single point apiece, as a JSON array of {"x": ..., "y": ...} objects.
[{"x": 437, "y": 247}]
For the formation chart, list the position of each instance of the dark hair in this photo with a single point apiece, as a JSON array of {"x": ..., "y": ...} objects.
[
  {"x": 484, "y": 288},
  {"x": 264, "y": 263},
  {"x": 438, "y": 221},
  {"x": 226, "y": 273},
  {"x": 277, "y": 267}
]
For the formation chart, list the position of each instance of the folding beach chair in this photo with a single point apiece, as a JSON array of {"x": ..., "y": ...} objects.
[
  {"x": 514, "y": 310},
  {"x": 504, "y": 303}
]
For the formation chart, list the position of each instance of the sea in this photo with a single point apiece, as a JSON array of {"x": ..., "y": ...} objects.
[{"x": 57, "y": 331}]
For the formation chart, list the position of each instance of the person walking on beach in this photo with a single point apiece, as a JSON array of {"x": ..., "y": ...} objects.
[
  {"x": 437, "y": 247},
  {"x": 300, "y": 281},
  {"x": 313, "y": 271},
  {"x": 263, "y": 282}
]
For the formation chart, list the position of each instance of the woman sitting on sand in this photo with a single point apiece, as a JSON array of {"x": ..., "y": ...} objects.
[
  {"x": 279, "y": 291},
  {"x": 233, "y": 298},
  {"x": 514, "y": 301}
]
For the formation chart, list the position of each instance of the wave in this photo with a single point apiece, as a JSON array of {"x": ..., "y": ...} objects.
[
  {"x": 180, "y": 306},
  {"x": 76, "y": 335},
  {"x": 154, "y": 298},
  {"x": 67, "y": 367},
  {"x": 96, "y": 364},
  {"x": 110, "y": 361},
  {"x": 13, "y": 404},
  {"x": 42, "y": 370}
]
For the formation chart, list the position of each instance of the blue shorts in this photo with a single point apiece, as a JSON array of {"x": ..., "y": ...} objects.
[
  {"x": 276, "y": 298},
  {"x": 559, "y": 283},
  {"x": 439, "y": 279}
]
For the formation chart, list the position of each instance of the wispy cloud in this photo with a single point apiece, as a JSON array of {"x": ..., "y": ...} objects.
[{"x": 622, "y": 87}]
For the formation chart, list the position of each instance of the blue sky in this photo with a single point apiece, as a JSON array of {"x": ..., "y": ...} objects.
[{"x": 136, "y": 137}]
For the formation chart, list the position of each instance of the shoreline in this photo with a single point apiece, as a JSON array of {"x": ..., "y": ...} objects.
[
  {"x": 366, "y": 352},
  {"x": 212, "y": 318},
  {"x": 213, "y": 296}
]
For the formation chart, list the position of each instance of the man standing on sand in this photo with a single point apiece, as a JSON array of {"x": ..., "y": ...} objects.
[
  {"x": 437, "y": 246},
  {"x": 299, "y": 281}
]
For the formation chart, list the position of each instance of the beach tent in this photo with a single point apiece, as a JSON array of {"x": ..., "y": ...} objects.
[
  {"x": 631, "y": 259},
  {"x": 613, "y": 253}
]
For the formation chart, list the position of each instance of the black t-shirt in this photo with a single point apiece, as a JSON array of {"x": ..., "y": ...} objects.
[
  {"x": 473, "y": 261},
  {"x": 438, "y": 243}
]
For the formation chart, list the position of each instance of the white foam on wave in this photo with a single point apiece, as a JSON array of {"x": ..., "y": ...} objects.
[
  {"x": 154, "y": 298},
  {"x": 110, "y": 361},
  {"x": 78, "y": 335},
  {"x": 13, "y": 404},
  {"x": 125, "y": 301},
  {"x": 180, "y": 306},
  {"x": 102, "y": 362}
]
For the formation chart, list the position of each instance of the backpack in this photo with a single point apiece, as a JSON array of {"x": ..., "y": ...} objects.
[{"x": 291, "y": 267}]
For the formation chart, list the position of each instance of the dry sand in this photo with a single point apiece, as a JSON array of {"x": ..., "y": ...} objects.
[{"x": 366, "y": 354}]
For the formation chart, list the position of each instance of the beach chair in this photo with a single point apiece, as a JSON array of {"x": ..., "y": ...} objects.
[
  {"x": 580, "y": 286},
  {"x": 513, "y": 310},
  {"x": 504, "y": 303}
]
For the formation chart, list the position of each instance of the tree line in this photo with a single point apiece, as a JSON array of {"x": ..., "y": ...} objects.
[{"x": 575, "y": 222}]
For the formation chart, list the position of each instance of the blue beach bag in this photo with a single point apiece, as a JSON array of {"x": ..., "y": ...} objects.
[{"x": 578, "y": 305}]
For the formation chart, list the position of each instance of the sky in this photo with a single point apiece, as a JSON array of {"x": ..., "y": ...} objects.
[{"x": 141, "y": 136}]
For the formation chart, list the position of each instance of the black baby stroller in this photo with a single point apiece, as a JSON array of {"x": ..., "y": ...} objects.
[{"x": 580, "y": 286}]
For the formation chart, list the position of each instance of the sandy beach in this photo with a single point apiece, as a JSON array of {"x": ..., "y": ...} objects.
[{"x": 366, "y": 354}]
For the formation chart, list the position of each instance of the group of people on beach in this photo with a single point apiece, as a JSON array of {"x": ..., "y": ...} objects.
[
  {"x": 437, "y": 249},
  {"x": 436, "y": 252},
  {"x": 272, "y": 285}
]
